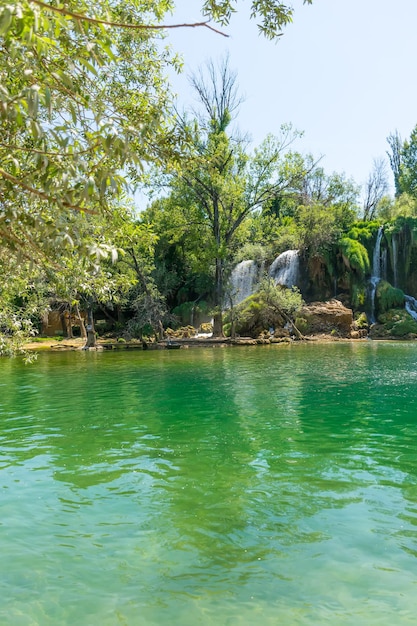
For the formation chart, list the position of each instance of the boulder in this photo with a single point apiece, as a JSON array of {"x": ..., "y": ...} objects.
[{"x": 328, "y": 317}]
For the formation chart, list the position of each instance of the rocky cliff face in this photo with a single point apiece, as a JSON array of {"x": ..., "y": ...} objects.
[{"x": 327, "y": 317}]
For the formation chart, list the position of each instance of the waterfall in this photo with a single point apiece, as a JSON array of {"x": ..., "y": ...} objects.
[
  {"x": 376, "y": 259},
  {"x": 395, "y": 259},
  {"x": 411, "y": 306},
  {"x": 376, "y": 271},
  {"x": 284, "y": 270},
  {"x": 243, "y": 280},
  {"x": 384, "y": 262}
]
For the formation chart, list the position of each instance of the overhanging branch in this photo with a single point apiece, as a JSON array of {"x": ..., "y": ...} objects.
[
  {"x": 41, "y": 194},
  {"x": 93, "y": 20}
]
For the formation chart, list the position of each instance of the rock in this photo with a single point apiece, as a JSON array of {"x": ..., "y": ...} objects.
[
  {"x": 328, "y": 317},
  {"x": 362, "y": 333},
  {"x": 244, "y": 341}
]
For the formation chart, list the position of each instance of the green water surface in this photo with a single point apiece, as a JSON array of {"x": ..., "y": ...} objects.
[{"x": 239, "y": 486}]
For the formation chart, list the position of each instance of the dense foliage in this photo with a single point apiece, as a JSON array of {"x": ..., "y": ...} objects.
[{"x": 86, "y": 111}]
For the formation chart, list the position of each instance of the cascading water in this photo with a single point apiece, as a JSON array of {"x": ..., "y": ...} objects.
[
  {"x": 395, "y": 259},
  {"x": 411, "y": 306},
  {"x": 285, "y": 269},
  {"x": 384, "y": 263},
  {"x": 378, "y": 263},
  {"x": 243, "y": 280},
  {"x": 376, "y": 271}
]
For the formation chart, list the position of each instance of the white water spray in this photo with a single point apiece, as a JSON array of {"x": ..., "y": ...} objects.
[
  {"x": 411, "y": 306},
  {"x": 376, "y": 271},
  {"x": 243, "y": 281},
  {"x": 395, "y": 259},
  {"x": 285, "y": 269}
]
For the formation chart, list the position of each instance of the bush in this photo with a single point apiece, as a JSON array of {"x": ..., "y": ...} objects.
[
  {"x": 255, "y": 251},
  {"x": 206, "y": 327},
  {"x": 302, "y": 325},
  {"x": 269, "y": 307},
  {"x": 361, "y": 321}
]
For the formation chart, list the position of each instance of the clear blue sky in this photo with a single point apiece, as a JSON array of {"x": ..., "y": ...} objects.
[{"x": 344, "y": 72}]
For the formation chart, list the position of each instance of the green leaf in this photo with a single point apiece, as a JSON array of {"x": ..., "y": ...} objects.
[
  {"x": 5, "y": 20},
  {"x": 47, "y": 95},
  {"x": 88, "y": 66}
]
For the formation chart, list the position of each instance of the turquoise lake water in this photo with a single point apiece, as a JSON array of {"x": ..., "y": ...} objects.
[{"x": 267, "y": 485}]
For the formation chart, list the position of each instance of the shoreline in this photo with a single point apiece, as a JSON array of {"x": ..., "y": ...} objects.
[{"x": 52, "y": 344}]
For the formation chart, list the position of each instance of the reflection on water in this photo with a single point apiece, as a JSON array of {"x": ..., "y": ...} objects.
[{"x": 222, "y": 486}]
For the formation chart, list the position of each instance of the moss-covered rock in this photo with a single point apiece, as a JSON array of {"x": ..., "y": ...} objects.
[
  {"x": 395, "y": 323},
  {"x": 355, "y": 256},
  {"x": 388, "y": 297}
]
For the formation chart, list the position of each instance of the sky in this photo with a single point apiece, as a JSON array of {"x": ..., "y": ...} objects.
[{"x": 344, "y": 73}]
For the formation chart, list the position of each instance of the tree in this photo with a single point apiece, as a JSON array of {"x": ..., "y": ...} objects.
[
  {"x": 218, "y": 184},
  {"x": 316, "y": 207},
  {"x": 138, "y": 240},
  {"x": 395, "y": 159},
  {"x": 408, "y": 165},
  {"x": 80, "y": 99},
  {"x": 23, "y": 303},
  {"x": 83, "y": 95},
  {"x": 83, "y": 102},
  {"x": 274, "y": 15},
  {"x": 376, "y": 188}
]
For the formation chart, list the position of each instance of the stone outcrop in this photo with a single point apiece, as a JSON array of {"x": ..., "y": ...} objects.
[{"x": 330, "y": 317}]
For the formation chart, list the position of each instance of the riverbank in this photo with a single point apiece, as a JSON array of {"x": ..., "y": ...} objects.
[{"x": 52, "y": 344}]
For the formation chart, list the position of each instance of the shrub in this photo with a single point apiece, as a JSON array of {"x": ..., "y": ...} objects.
[
  {"x": 255, "y": 251},
  {"x": 270, "y": 306},
  {"x": 302, "y": 325},
  {"x": 361, "y": 321}
]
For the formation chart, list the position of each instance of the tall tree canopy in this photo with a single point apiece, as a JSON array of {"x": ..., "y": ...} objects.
[
  {"x": 80, "y": 99},
  {"x": 83, "y": 96},
  {"x": 84, "y": 102},
  {"x": 217, "y": 184}
]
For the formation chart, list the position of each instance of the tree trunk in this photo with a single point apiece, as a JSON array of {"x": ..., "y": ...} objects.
[
  {"x": 81, "y": 322},
  {"x": 218, "y": 324},
  {"x": 218, "y": 300},
  {"x": 70, "y": 333},
  {"x": 91, "y": 333},
  {"x": 232, "y": 321},
  {"x": 289, "y": 320},
  {"x": 64, "y": 324}
]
